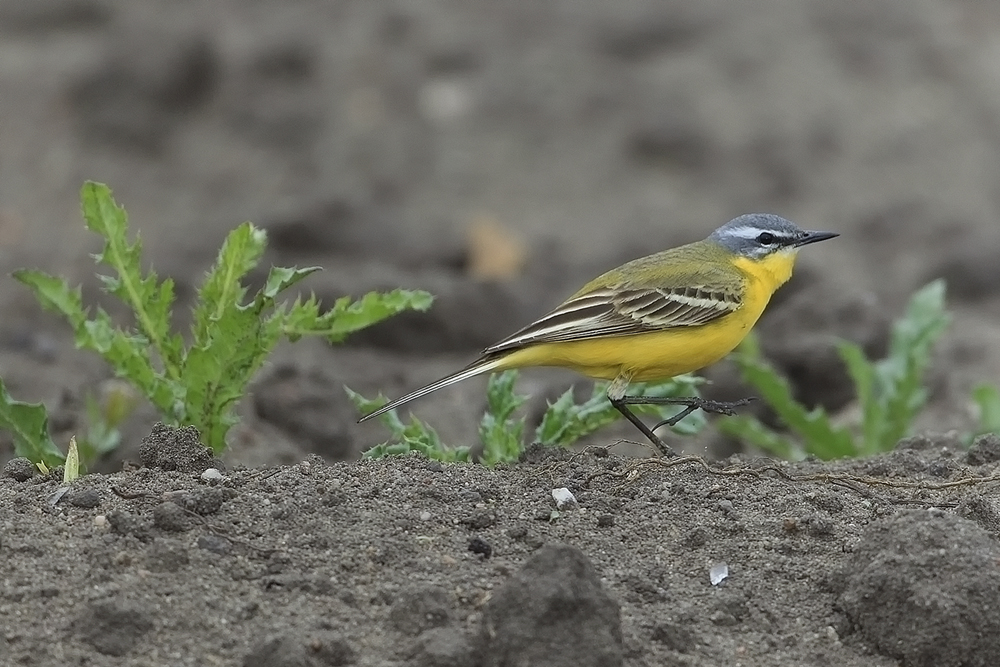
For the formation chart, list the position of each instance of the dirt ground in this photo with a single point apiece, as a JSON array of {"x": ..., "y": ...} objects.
[{"x": 389, "y": 142}]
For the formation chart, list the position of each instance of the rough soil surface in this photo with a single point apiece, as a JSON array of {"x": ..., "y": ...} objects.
[
  {"x": 411, "y": 562},
  {"x": 499, "y": 155}
]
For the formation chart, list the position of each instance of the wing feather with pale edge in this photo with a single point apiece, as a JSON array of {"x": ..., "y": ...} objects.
[{"x": 627, "y": 311}]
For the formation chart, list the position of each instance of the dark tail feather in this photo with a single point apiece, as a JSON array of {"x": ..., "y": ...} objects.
[{"x": 475, "y": 368}]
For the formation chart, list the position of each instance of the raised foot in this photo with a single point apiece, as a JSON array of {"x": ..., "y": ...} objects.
[
  {"x": 727, "y": 408},
  {"x": 690, "y": 405}
]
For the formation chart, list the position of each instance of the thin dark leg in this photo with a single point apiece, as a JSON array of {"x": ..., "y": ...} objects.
[
  {"x": 691, "y": 404},
  {"x": 620, "y": 404}
]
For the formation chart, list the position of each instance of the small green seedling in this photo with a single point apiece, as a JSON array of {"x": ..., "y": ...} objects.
[
  {"x": 501, "y": 433},
  {"x": 199, "y": 382},
  {"x": 890, "y": 391},
  {"x": 71, "y": 468},
  {"x": 414, "y": 436}
]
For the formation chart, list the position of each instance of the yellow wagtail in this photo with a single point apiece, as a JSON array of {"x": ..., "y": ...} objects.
[{"x": 653, "y": 318}]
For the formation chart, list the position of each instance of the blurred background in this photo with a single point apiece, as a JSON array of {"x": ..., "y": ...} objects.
[{"x": 499, "y": 154}]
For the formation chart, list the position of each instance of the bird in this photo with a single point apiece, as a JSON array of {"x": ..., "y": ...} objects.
[{"x": 673, "y": 312}]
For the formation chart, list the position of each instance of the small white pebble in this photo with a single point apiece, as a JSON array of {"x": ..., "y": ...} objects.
[
  {"x": 425, "y": 516},
  {"x": 101, "y": 521},
  {"x": 212, "y": 475},
  {"x": 564, "y": 498},
  {"x": 718, "y": 573}
]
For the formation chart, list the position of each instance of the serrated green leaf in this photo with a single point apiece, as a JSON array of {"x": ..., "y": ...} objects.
[
  {"x": 890, "y": 391},
  {"x": 222, "y": 288},
  {"x": 552, "y": 430},
  {"x": 54, "y": 294},
  {"x": 501, "y": 434},
  {"x": 348, "y": 315},
  {"x": 150, "y": 301},
  {"x": 125, "y": 354},
  {"x": 416, "y": 436},
  {"x": 366, "y": 406},
  {"x": 218, "y": 373},
  {"x": 28, "y": 423},
  {"x": 418, "y": 433},
  {"x": 566, "y": 421},
  {"x": 302, "y": 318},
  {"x": 281, "y": 278},
  {"x": 501, "y": 399}
]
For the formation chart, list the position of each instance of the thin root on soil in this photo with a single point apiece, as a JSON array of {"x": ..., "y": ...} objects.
[{"x": 633, "y": 472}]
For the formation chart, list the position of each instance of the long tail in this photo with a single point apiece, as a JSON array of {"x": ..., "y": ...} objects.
[{"x": 478, "y": 367}]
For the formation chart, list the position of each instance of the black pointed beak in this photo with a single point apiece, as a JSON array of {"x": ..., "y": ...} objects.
[{"x": 814, "y": 237}]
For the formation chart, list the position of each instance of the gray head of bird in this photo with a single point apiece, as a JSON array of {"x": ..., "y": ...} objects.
[{"x": 758, "y": 235}]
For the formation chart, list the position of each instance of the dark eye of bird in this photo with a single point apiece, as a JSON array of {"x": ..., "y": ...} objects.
[{"x": 766, "y": 238}]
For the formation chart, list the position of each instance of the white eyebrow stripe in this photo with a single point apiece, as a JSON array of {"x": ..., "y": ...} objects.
[{"x": 751, "y": 233}]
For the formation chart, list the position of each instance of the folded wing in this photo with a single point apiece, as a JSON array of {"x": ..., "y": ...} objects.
[{"x": 627, "y": 311}]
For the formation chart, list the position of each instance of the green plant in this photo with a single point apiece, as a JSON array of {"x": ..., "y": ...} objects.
[
  {"x": 987, "y": 400},
  {"x": 198, "y": 383},
  {"x": 28, "y": 423},
  {"x": 501, "y": 434},
  {"x": 105, "y": 414},
  {"x": 566, "y": 421},
  {"x": 414, "y": 436},
  {"x": 890, "y": 391}
]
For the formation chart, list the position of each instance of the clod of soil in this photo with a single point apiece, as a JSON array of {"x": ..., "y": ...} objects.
[
  {"x": 985, "y": 449},
  {"x": 924, "y": 587},
  {"x": 180, "y": 449},
  {"x": 320, "y": 650},
  {"x": 113, "y": 629},
  {"x": 554, "y": 611},
  {"x": 20, "y": 469}
]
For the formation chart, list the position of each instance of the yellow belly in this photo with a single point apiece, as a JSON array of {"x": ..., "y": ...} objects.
[{"x": 648, "y": 356}]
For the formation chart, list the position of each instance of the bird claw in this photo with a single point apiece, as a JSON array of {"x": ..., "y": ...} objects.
[{"x": 727, "y": 408}]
